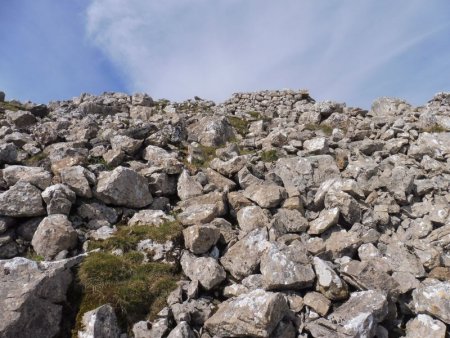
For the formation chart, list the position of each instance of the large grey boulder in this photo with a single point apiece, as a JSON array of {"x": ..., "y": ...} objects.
[
  {"x": 266, "y": 195},
  {"x": 53, "y": 235},
  {"x": 21, "y": 200},
  {"x": 21, "y": 119},
  {"x": 79, "y": 180},
  {"x": 31, "y": 295},
  {"x": 254, "y": 314},
  {"x": 100, "y": 323},
  {"x": 200, "y": 238},
  {"x": 211, "y": 131},
  {"x": 123, "y": 187},
  {"x": 35, "y": 175}
]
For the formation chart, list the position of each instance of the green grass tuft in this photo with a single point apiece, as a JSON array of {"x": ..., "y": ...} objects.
[
  {"x": 269, "y": 155},
  {"x": 435, "y": 129},
  {"x": 239, "y": 124},
  {"x": 11, "y": 105},
  {"x": 127, "y": 237},
  {"x": 135, "y": 289},
  {"x": 325, "y": 128}
]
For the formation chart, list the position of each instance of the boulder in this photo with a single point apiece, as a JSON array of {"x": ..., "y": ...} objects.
[
  {"x": 123, "y": 187},
  {"x": 36, "y": 176},
  {"x": 207, "y": 271},
  {"x": 200, "y": 238},
  {"x": 254, "y": 314},
  {"x": 53, "y": 235},
  {"x": 100, "y": 323},
  {"x": 21, "y": 200}
]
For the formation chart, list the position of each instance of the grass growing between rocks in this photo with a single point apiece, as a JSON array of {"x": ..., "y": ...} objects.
[
  {"x": 127, "y": 237},
  {"x": 239, "y": 124},
  {"x": 325, "y": 128},
  {"x": 435, "y": 129},
  {"x": 10, "y": 105},
  {"x": 269, "y": 155},
  {"x": 135, "y": 289},
  {"x": 36, "y": 159}
]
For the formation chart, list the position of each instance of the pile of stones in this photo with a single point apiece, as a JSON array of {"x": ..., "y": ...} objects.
[{"x": 301, "y": 218}]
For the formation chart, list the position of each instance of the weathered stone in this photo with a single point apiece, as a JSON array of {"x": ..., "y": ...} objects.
[
  {"x": 124, "y": 187},
  {"x": 252, "y": 217},
  {"x": 182, "y": 330},
  {"x": 79, "y": 180},
  {"x": 35, "y": 175},
  {"x": 433, "y": 300},
  {"x": 266, "y": 196},
  {"x": 159, "y": 157},
  {"x": 53, "y": 235},
  {"x": 255, "y": 314},
  {"x": 21, "y": 200},
  {"x": 125, "y": 144},
  {"x": 230, "y": 167},
  {"x": 211, "y": 131},
  {"x": 100, "y": 323},
  {"x": 286, "y": 267},
  {"x": 207, "y": 271},
  {"x": 243, "y": 258},
  {"x": 317, "y": 302},
  {"x": 425, "y": 326},
  {"x": 21, "y": 119},
  {"x": 31, "y": 296},
  {"x": 188, "y": 187},
  {"x": 289, "y": 221},
  {"x": 327, "y": 218},
  {"x": 200, "y": 238},
  {"x": 328, "y": 281}
]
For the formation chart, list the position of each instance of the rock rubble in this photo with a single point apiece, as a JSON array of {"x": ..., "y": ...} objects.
[{"x": 283, "y": 217}]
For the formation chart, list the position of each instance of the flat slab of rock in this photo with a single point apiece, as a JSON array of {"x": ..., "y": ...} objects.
[
  {"x": 254, "y": 314},
  {"x": 265, "y": 195},
  {"x": 35, "y": 175},
  {"x": 123, "y": 187},
  {"x": 21, "y": 200}
]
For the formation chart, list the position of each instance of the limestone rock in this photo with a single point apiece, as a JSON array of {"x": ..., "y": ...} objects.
[
  {"x": 124, "y": 187},
  {"x": 255, "y": 314},
  {"x": 21, "y": 200},
  {"x": 100, "y": 323},
  {"x": 433, "y": 300},
  {"x": 200, "y": 238},
  {"x": 266, "y": 196},
  {"x": 53, "y": 235},
  {"x": 207, "y": 271}
]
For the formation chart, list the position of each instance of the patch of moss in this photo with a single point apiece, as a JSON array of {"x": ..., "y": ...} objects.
[
  {"x": 127, "y": 237},
  {"x": 239, "y": 124},
  {"x": 32, "y": 255},
  {"x": 10, "y": 105},
  {"x": 435, "y": 129},
  {"x": 135, "y": 289},
  {"x": 100, "y": 160},
  {"x": 36, "y": 159},
  {"x": 269, "y": 155},
  {"x": 325, "y": 128}
]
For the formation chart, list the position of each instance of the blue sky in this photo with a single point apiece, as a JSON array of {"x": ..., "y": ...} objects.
[{"x": 350, "y": 51}]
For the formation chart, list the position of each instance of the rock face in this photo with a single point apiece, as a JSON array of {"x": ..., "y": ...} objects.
[
  {"x": 283, "y": 217},
  {"x": 124, "y": 187},
  {"x": 31, "y": 295}
]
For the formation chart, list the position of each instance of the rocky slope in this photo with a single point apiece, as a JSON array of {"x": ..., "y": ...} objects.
[{"x": 269, "y": 215}]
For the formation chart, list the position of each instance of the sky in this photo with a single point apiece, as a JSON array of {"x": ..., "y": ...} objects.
[{"x": 349, "y": 51}]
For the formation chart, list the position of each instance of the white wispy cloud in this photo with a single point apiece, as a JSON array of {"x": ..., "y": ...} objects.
[{"x": 336, "y": 48}]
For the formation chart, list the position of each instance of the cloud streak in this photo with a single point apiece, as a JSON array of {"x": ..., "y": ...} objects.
[{"x": 337, "y": 49}]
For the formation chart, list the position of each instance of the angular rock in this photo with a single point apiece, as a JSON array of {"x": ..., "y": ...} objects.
[
  {"x": 266, "y": 196},
  {"x": 188, "y": 187},
  {"x": 53, "y": 235},
  {"x": 433, "y": 300},
  {"x": 425, "y": 326},
  {"x": 31, "y": 296},
  {"x": 328, "y": 281},
  {"x": 255, "y": 314},
  {"x": 286, "y": 268},
  {"x": 37, "y": 176},
  {"x": 150, "y": 217},
  {"x": 123, "y": 187},
  {"x": 252, "y": 217},
  {"x": 21, "y": 200},
  {"x": 79, "y": 180},
  {"x": 200, "y": 238},
  {"x": 206, "y": 271},
  {"x": 243, "y": 258},
  {"x": 327, "y": 218},
  {"x": 100, "y": 323}
]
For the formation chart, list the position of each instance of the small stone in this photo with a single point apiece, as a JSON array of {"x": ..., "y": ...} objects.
[{"x": 317, "y": 302}]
